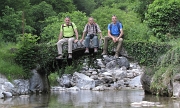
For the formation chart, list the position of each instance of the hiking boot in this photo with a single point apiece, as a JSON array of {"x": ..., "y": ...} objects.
[
  {"x": 95, "y": 50},
  {"x": 104, "y": 53},
  {"x": 70, "y": 56},
  {"x": 87, "y": 51},
  {"x": 59, "y": 57}
]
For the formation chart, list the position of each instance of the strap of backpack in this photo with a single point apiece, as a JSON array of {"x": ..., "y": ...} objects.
[
  {"x": 94, "y": 26},
  {"x": 69, "y": 25},
  {"x": 111, "y": 28},
  {"x": 118, "y": 25}
]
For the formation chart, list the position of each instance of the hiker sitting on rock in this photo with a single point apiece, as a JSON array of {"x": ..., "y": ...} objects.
[
  {"x": 115, "y": 32},
  {"x": 67, "y": 32},
  {"x": 90, "y": 30}
]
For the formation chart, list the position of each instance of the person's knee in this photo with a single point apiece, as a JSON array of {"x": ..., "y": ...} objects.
[
  {"x": 59, "y": 42},
  {"x": 95, "y": 37},
  {"x": 121, "y": 39},
  {"x": 87, "y": 38}
]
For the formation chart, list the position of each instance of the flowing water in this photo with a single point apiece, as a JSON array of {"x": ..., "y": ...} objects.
[{"x": 87, "y": 99}]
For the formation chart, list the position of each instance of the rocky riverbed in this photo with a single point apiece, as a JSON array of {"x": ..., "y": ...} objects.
[{"x": 114, "y": 73}]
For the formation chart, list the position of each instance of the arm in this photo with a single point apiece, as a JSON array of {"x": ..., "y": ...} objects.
[
  {"x": 100, "y": 35},
  {"x": 83, "y": 35},
  {"x": 121, "y": 33},
  {"x": 109, "y": 34},
  {"x": 76, "y": 32},
  {"x": 84, "y": 32},
  {"x": 60, "y": 34},
  {"x": 99, "y": 31}
]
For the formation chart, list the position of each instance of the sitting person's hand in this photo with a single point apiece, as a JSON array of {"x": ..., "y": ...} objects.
[
  {"x": 117, "y": 39},
  {"x": 81, "y": 40},
  {"x": 114, "y": 39},
  {"x": 75, "y": 40}
]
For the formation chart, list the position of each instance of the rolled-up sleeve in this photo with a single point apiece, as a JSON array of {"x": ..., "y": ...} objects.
[
  {"x": 85, "y": 28},
  {"x": 98, "y": 28}
]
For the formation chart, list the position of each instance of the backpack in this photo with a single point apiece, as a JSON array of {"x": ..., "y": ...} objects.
[
  {"x": 118, "y": 22},
  {"x": 94, "y": 26},
  {"x": 65, "y": 26}
]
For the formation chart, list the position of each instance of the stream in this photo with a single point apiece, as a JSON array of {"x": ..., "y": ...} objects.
[{"x": 88, "y": 99}]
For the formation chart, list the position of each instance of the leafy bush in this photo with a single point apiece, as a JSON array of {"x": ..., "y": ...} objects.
[
  {"x": 51, "y": 31},
  {"x": 163, "y": 19},
  {"x": 31, "y": 54},
  {"x": 132, "y": 27},
  {"x": 146, "y": 53},
  {"x": 37, "y": 14},
  {"x": 11, "y": 24},
  {"x": 53, "y": 78}
]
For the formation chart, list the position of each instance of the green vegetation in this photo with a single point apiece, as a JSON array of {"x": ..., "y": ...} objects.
[
  {"x": 7, "y": 65},
  {"x": 163, "y": 19},
  {"x": 30, "y": 29},
  {"x": 146, "y": 53},
  {"x": 167, "y": 66}
]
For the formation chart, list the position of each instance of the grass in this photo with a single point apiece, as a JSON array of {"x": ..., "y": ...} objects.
[
  {"x": 7, "y": 65},
  {"x": 167, "y": 67}
]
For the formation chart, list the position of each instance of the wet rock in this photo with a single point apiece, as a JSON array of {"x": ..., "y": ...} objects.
[
  {"x": 107, "y": 74},
  {"x": 36, "y": 82},
  {"x": 135, "y": 82},
  {"x": 7, "y": 94},
  {"x": 73, "y": 89},
  {"x": 94, "y": 73},
  {"x": 100, "y": 63},
  {"x": 176, "y": 86},
  {"x": 130, "y": 75},
  {"x": 65, "y": 80},
  {"x": 57, "y": 88},
  {"x": 107, "y": 59},
  {"x": 146, "y": 104},
  {"x": 107, "y": 80},
  {"x": 119, "y": 75},
  {"x": 146, "y": 81},
  {"x": 82, "y": 81},
  {"x": 8, "y": 84},
  {"x": 98, "y": 82},
  {"x": 99, "y": 88},
  {"x": 119, "y": 83},
  {"x": 111, "y": 64},
  {"x": 123, "y": 61},
  {"x": 95, "y": 77},
  {"x": 20, "y": 87}
]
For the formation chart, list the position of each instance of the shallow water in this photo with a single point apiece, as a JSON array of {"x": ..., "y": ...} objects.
[{"x": 87, "y": 99}]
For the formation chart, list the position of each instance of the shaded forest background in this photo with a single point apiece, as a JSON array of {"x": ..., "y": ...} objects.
[{"x": 44, "y": 17}]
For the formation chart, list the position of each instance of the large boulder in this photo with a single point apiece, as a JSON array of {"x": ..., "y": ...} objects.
[
  {"x": 119, "y": 74},
  {"x": 123, "y": 61},
  {"x": 111, "y": 64},
  {"x": 176, "y": 86},
  {"x": 82, "y": 81},
  {"x": 146, "y": 81},
  {"x": 36, "y": 82},
  {"x": 21, "y": 87}
]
